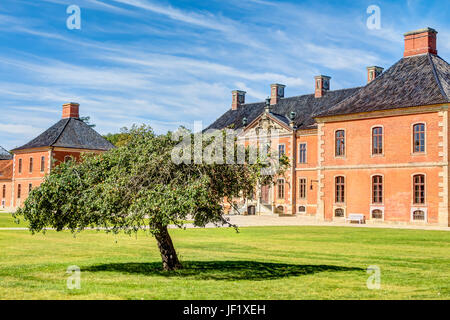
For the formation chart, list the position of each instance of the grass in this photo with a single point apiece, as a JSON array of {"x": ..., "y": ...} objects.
[
  {"x": 7, "y": 221},
  {"x": 257, "y": 263}
]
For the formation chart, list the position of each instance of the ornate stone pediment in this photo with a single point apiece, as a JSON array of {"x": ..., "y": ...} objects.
[{"x": 266, "y": 125}]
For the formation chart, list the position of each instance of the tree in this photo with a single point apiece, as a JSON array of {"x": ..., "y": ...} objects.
[
  {"x": 118, "y": 139},
  {"x": 87, "y": 120},
  {"x": 138, "y": 186}
]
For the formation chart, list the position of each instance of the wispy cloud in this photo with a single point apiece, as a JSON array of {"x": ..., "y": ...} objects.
[{"x": 170, "y": 63}]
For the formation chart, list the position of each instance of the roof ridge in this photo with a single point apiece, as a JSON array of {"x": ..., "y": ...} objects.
[
  {"x": 437, "y": 77},
  {"x": 303, "y": 95},
  {"x": 59, "y": 135}
]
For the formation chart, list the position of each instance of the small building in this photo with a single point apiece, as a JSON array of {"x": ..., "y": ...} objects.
[
  {"x": 69, "y": 138},
  {"x": 6, "y": 170}
]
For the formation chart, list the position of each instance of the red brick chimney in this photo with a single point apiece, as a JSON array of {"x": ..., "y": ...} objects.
[
  {"x": 420, "y": 42},
  {"x": 238, "y": 99},
  {"x": 322, "y": 84},
  {"x": 276, "y": 92},
  {"x": 71, "y": 110},
  {"x": 373, "y": 73}
]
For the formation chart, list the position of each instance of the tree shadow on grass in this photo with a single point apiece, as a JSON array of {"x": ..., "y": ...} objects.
[{"x": 221, "y": 270}]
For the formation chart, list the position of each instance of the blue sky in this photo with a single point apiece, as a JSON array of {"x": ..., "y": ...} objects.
[{"x": 170, "y": 63}]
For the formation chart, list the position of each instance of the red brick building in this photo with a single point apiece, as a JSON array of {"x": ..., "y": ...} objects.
[
  {"x": 6, "y": 170},
  {"x": 30, "y": 163},
  {"x": 381, "y": 150}
]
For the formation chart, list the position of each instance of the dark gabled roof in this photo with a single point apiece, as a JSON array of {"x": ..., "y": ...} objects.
[
  {"x": 69, "y": 133},
  {"x": 5, "y": 155},
  {"x": 280, "y": 117},
  {"x": 305, "y": 107},
  {"x": 413, "y": 81}
]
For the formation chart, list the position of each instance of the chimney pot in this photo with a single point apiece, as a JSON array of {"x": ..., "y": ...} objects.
[
  {"x": 373, "y": 73},
  {"x": 71, "y": 110},
  {"x": 238, "y": 99},
  {"x": 322, "y": 85},
  {"x": 276, "y": 92},
  {"x": 420, "y": 41}
]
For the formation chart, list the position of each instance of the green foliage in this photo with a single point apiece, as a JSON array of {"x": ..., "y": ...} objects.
[
  {"x": 87, "y": 120},
  {"x": 118, "y": 139},
  {"x": 138, "y": 184}
]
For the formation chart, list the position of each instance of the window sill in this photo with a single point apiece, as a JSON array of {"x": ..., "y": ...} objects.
[{"x": 418, "y": 154}]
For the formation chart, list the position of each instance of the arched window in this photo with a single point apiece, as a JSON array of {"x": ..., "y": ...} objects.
[
  {"x": 340, "y": 189},
  {"x": 67, "y": 158},
  {"x": 301, "y": 209},
  {"x": 377, "y": 214},
  {"x": 419, "y": 137},
  {"x": 419, "y": 215},
  {"x": 377, "y": 140},
  {"x": 339, "y": 212},
  {"x": 377, "y": 189},
  {"x": 419, "y": 188},
  {"x": 340, "y": 143},
  {"x": 280, "y": 187},
  {"x": 280, "y": 209}
]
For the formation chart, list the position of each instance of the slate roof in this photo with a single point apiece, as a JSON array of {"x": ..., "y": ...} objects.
[
  {"x": 305, "y": 107},
  {"x": 6, "y": 170},
  {"x": 413, "y": 81},
  {"x": 5, "y": 155},
  {"x": 69, "y": 133}
]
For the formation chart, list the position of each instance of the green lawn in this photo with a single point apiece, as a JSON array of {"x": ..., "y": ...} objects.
[
  {"x": 7, "y": 221},
  {"x": 257, "y": 263}
]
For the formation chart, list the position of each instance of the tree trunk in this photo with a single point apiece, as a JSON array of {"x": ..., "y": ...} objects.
[{"x": 168, "y": 254}]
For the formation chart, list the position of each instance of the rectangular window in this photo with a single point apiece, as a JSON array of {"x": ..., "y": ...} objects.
[
  {"x": 280, "y": 189},
  {"x": 31, "y": 165},
  {"x": 42, "y": 163},
  {"x": 281, "y": 150},
  {"x": 30, "y": 187},
  {"x": 20, "y": 166},
  {"x": 19, "y": 190},
  {"x": 377, "y": 189},
  {"x": 302, "y": 188},
  {"x": 302, "y": 152},
  {"x": 340, "y": 190},
  {"x": 419, "y": 137},
  {"x": 419, "y": 189},
  {"x": 340, "y": 143},
  {"x": 377, "y": 140},
  {"x": 4, "y": 191}
]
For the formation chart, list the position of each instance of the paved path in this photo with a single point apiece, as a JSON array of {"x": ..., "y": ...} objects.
[{"x": 263, "y": 221}]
